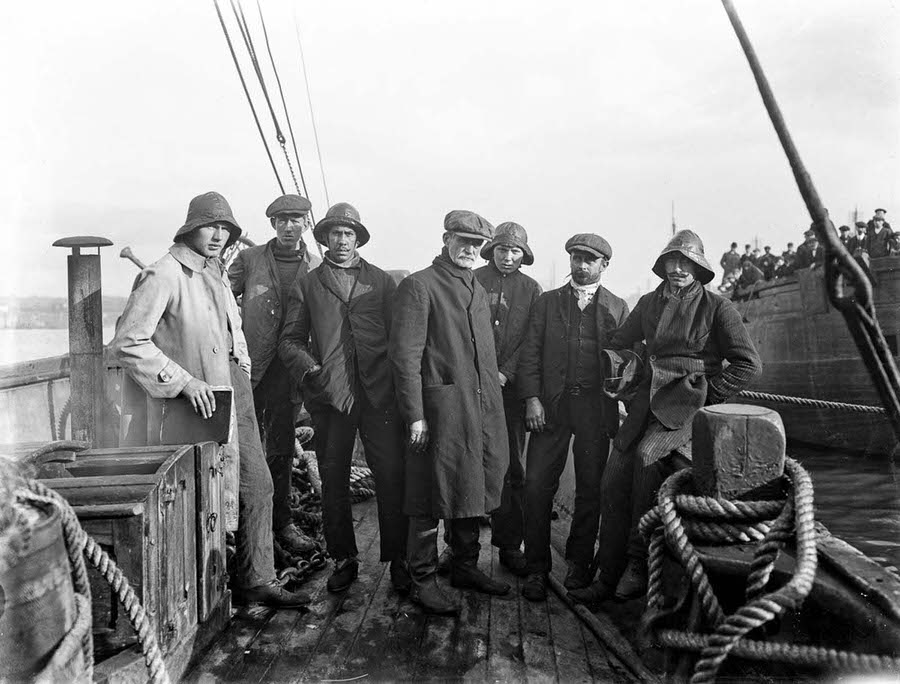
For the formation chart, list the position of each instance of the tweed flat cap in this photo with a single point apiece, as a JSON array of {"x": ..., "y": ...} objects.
[
  {"x": 289, "y": 204},
  {"x": 590, "y": 243},
  {"x": 468, "y": 224}
]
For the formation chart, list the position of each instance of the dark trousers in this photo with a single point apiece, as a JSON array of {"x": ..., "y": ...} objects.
[
  {"x": 275, "y": 416},
  {"x": 382, "y": 438},
  {"x": 629, "y": 490},
  {"x": 508, "y": 522},
  {"x": 255, "y": 556},
  {"x": 578, "y": 415},
  {"x": 421, "y": 544}
]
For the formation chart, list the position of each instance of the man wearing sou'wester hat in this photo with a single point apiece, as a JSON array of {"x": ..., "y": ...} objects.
[
  {"x": 448, "y": 390},
  {"x": 511, "y": 295},
  {"x": 261, "y": 278},
  {"x": 689, "y": 332},
  {"x": 334, "y": 343},
  {"x": 560, "y": 380},
  {"x": 180, "y": 334}
]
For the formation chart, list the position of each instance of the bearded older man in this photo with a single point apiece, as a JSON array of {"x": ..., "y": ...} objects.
[{"x": 448, "y": 391}]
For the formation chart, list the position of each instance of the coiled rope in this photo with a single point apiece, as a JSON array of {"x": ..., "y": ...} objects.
[
  {"x": 816, "y": 403},
  {"x": 719, "y": 520},
  {"x": 80, "y": 546}
]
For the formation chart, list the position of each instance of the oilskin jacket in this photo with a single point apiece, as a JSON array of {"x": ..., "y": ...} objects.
[
  {"x": 254, "y": 278},
  {"x": 445, "y": 371},
  {"x": 687, "y": 337},
  {"x": 180, "y": 322},
  {"x": 544, "y": 357},
  {"x": 346, "y": 337},
  {"x": 510, "y": 298}
]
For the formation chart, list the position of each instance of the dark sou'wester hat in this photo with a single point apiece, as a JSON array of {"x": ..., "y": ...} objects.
[
  {"x": 341, "y": 214},
  {"x": 468, "y": 224},
  {"x": 205, "y": 209},
  {"x": 509, "y": 233},
  {"x": 289, "y": 204},
  {"x": 590, "y": 243},
  {"x": 688, "y": 244}
]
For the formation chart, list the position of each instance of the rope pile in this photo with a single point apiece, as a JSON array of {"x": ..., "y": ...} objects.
[{"x": 680, "y": 520}]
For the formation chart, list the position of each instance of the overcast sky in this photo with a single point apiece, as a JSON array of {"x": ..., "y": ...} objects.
[{"x": 576, "y": 117}]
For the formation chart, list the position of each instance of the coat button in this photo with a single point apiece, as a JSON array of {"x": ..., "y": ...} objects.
[
  {"x": 653, "y": 357},
  {"x": 215, "y": 350},
  {"x": 496, "y": 322},
  {"x": 478, "y": 391}
]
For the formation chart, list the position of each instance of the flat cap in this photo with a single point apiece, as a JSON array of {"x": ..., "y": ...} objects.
[
  {"x": 590, "y": 243},
  {"x": 468, "y": 224},
  {"x": 845, "y": 229},
  {"x": 289, "y": 204},
  {"x": 880, "y": 209},
  {"x": 860, "y": 224}
]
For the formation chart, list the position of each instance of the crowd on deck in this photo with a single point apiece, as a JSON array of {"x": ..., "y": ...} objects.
[{"x": 866, "y": 240}]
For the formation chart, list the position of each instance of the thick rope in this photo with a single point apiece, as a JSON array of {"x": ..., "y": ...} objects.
[
  {"x": 815, "y": 403},
  {"x": 78, "y": 539}
]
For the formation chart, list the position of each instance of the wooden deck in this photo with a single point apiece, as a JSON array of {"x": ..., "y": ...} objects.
[{"x": 371, "y": 634}]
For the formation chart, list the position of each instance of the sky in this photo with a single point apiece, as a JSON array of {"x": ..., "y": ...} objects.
[{"x": 564, "y": 117}]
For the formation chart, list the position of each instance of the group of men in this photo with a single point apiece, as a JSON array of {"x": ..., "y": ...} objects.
[
  {"x": 441, "y": 376},
  {"x": 874, "y": 238}
]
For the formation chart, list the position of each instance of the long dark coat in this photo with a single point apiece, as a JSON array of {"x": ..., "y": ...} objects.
[
  {"x": 348, "y": 338},
  {"x": 254, "y": 278},
  {"x": 687, "y": 340},
  {"x": 445, "y": 371},
  {"x": 543, "y": 359}
]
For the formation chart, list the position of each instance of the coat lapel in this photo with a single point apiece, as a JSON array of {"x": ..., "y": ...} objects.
[{"x": 273, "y": 269}]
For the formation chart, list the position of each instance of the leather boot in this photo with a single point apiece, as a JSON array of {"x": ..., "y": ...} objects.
[
  {"x": 273, "y": 594},
  {"x": 633, "y": 583},
  {"x": 514, "y": 561},
  {"x": 577, "y": 576},
  {"x": 432, "y": 598},
  {"x": 593, "y": 595},
  {"x": 345, "y": 571},
  {"x": 470, "y": 577},
  {"x": 293, "y": 540},
  {"x": 446, "y": 558},
  {"x": 535, "y": 587},
  {"x": 400, "y": 577}
]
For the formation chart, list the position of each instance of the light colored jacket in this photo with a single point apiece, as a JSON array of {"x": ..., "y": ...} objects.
[{"x": 180, "y": 322}]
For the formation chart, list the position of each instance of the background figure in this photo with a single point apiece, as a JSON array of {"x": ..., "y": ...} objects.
[{"x": 730, "y": 261}]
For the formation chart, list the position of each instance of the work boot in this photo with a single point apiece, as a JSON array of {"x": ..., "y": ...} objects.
[
  {"x": 293, "y": 540},
  {"x": 345, "y": 571},
  {"x": 577, "y": 576},
  {"x": 470, "y": 577},
  {"x": 633, "y": 583},
  {"x": 535, "y": 587},
  {"x": 443, "y": 566},
  {"x": 593, "y": 595},
  {"x": 272, "y": 594},
  {"x": 432, "y": 598},
  {"x": 514, "y": 561},
  {"x": 400, "y": 576}
]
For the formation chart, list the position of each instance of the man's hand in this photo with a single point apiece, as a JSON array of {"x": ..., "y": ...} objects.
[
  {"x": 503, "y": 379},
  {"x": 535, "y": 420},
  {"x": 311, "y": 372},
  {"x": 418, "y": 435},
  {"x": 201, "y": 397}
]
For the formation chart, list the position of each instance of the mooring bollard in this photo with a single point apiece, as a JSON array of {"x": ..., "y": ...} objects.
[
  {"x": 87, "y": 374},
  {"x": 738, "y": 450}
]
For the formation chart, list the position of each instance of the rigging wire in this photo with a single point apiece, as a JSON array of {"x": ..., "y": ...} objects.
[
  {"x": 311, "y": 114},
  {"x": 247, "y": 94}
]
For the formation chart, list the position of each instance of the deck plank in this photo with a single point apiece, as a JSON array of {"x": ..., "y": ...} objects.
[
  {"x": 246, "y": 625},
  {"x": 506, "y": 661}
]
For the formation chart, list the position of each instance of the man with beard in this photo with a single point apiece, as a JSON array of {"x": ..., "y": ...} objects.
[
  {"x": 689, "y": 333},
  {"x": 335, "y": 342},
  {"x": 511, "y": 295},
  {"x": 180, "y": 334},
  {"x": 448, "y": 391},
  {"x": 261, "y": 277},
  {"x": 560, "y": 379}
]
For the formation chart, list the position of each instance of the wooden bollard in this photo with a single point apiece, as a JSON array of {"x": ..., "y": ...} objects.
[{"x": 738, "y": 451}]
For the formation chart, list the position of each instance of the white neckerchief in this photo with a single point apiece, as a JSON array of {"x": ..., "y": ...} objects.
[{"x": 584, "y": 292}]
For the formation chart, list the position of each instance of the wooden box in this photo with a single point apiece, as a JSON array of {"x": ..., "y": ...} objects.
[{"x": 141, "y": 505}]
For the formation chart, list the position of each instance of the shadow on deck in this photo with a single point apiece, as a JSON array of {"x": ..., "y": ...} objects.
[{"x": 372, "y": 634}]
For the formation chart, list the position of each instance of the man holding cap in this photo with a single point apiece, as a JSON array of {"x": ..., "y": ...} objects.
[
  {"x": 560, "y": 378},
  {"x": 511, "y": 294},
  {"x": 448, "y": 389},
  {"x": 261, "y": 278},
  {"x": 180, "y": 334},
  {"x": 335, "y": 342}
]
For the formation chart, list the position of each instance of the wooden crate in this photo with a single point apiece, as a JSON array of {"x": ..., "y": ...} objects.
[
  {"x": 140, "y": 505},
  {"x": 212, "y": 577}
]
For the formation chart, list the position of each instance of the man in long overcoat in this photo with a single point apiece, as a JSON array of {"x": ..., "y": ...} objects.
[
  {"x": 335, "y": 341},
  {"x": 261, "y": 278},
  {"x": 180, "y": 334},
  {"x": 689, "y": 333},
  {"x": 511, "y": 295},
  {"x": 560, "y": 379},
  {"x": 448, "y": 390}
]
